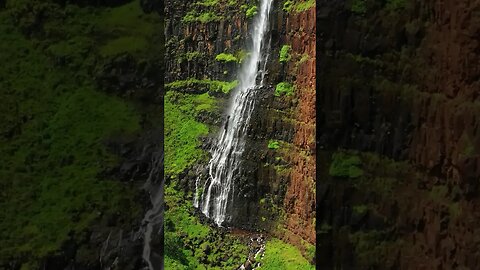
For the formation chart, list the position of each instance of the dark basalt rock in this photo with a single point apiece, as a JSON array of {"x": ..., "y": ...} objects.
[{"x": 126, "y": 76}]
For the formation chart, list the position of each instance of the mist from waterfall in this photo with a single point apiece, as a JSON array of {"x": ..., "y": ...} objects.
[{"x": 213, "y": 196}]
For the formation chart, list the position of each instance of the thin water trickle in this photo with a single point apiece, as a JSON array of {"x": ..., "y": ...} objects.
[
  {"x": 227, "y": 152},
  {"x": 152, "y": 223}
]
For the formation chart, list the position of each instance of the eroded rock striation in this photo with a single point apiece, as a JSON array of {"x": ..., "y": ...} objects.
[{"x": 398, "y": 85}]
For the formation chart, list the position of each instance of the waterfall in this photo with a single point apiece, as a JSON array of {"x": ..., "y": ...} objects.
[
  {"x": 217, "y": 191},
  {"x": 152, "y": 223}
]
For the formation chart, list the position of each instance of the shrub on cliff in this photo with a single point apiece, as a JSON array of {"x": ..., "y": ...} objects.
[
  {"x": 201, "y": 86},
  {"x": 297, "y": 7},
  {"x": 288, "y": 5},
  {"x": 285, "y": 53},
  {"x": 396, "y": 4},
  {"x": 205, "y": 17},
  {"x": 304, "y": 6},
  {"x": 272, "y": 144},
  {"x": 226, "y": 57},
  {"x": 284, "y": 88},
  {"x": 358, "y": 6},
  {"x": 345, "y": 165},
  {"x": 252, "y": 11}
]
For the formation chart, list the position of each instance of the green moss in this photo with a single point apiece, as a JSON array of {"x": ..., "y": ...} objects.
[
  {"x": 285, "y": 53},
  {"x": 440, "y": 195},
  {"x": 72, "y": 50},
  {"x": 396, "y": 4},
  {"x": 208, "y": 3},
  {"x": 226, "y": 57},
  {"x": 370, "y": 247},
  {"x": 208, "y": 85},
  {"x": 284, "y": 88},
  {"x": 382, "y": 175},
  {"x": 304, "y": 6},
  {"x": 360, "y": 209},
  {"x": 455, "y": 209},
  {"x": 365, "y": 60},
  {"x": 298, "y": 6},
  {"x": 189, "y": 56},
  {"x": 467, "y": 146},
  {"x": 358, "y": 7},
  {"x": 310, "y": 253},
  {"x": 273, "y": 144},
  {"x": 205, "y": 17},
  {"x": 288, "y": 5},
  {"x": 345, "y": 165},
  {"x": 124, "y": 45},
  {"x": 325, "y": 228},
  {"x": 303, "y": 59},
  {"x": 280, "y": 255},
  {"x": 251, "y": 11},
  {"x": 182, "y": 130}
]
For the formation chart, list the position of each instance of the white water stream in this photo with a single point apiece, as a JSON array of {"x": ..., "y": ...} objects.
[{"x": 213, "y": 197}]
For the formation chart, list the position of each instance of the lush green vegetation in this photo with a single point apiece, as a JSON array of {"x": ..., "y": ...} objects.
[
  {"x": 285, "y": 53},
  {"x": 288, "y": 5},
  {"x": 304, "y": 58},
  {"x": 360, "y": 209},
  {"x": 284, "y": 88},
  {"x": 280, "y": 255},
  {"x": 226, "y": 57},
  {"x": 191, "y": 245},
  {"x": 204, "y": 17},
  {"x": 189, "y": 56},
  {"x": 251, "y": 11},
  {"x": 345, "y": 165},
  {"x": 182, "y": 130},
  {"x": 304, "y": 6},
  {"x": 297, "y": 6},
  {"x": 359, "y": 6},
  {"x": 133, "y": 30},
  {"x": 54, "y": 121},
  {"x": 396, "y": 4},
  {"x": 208, "y": 3},
  {"x": 205, "y": 84},
  {"x": 272, "y": 144}
]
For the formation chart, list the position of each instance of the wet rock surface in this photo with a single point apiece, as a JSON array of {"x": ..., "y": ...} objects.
[{"x": 256, "y": 246}]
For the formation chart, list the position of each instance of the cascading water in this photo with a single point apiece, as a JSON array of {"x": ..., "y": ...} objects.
[
  {"x": 152, "y": 223},
  {"x": 227, "y": 152}
]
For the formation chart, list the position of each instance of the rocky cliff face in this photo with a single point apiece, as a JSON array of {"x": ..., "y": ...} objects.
[
  {"x": 299, "y": 200},
  {"x": 276, "y": 185},
  {"x": 400, "y": 80}
]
